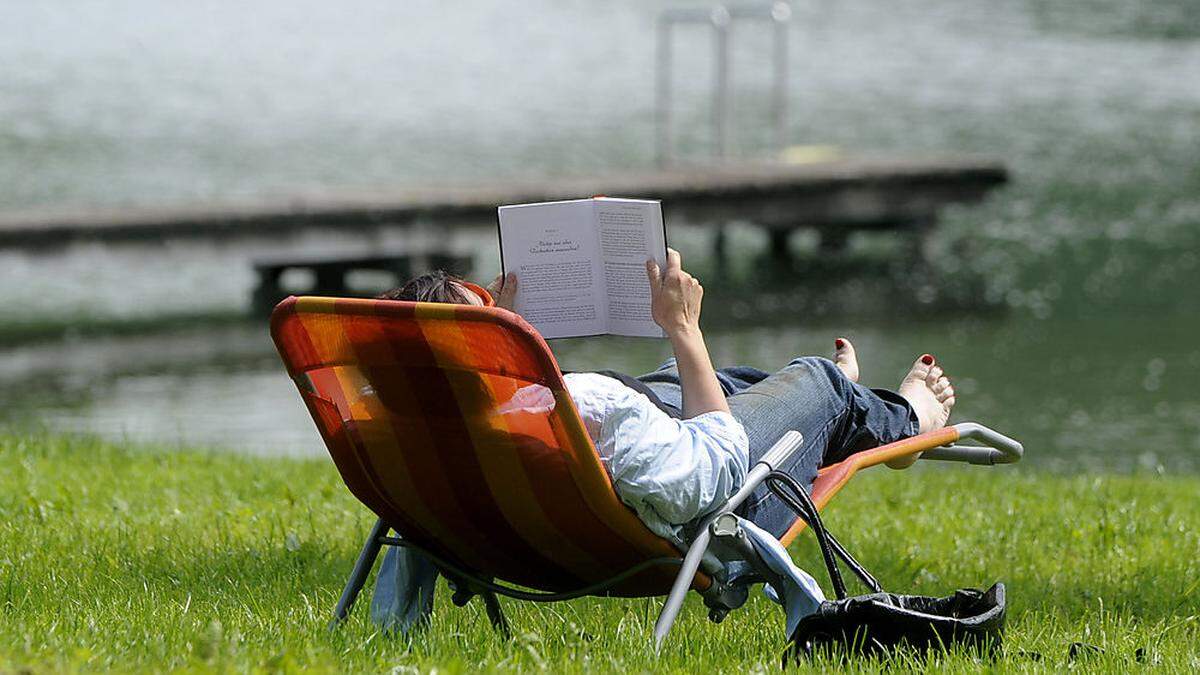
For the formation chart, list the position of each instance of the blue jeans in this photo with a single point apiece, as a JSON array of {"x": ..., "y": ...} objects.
[{"x": 811, "y": 395}]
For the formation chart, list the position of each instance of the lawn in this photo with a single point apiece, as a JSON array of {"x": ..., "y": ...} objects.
[{"x": 134, "y": 559}]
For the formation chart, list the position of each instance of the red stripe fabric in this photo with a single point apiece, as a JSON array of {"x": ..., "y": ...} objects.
[{"x": 410, "y": 400}]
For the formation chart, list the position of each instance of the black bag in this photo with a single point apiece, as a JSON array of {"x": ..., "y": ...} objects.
[{"x": 879, "y": 623}]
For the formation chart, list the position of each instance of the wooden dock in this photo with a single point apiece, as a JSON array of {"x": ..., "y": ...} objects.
[{"x": 834, "y": 198}]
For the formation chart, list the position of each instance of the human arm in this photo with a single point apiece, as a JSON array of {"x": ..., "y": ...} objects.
[{"x": 675, "y": 298}]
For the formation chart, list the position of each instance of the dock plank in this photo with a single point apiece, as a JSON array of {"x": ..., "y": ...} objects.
[{"x": 862, "y": 193}]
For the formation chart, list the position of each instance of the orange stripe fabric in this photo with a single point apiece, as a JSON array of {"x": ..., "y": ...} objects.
[
  {"x": 439, "y": 450},
  {"x": 517, "y": 492},
  {"x": 408, "y": 399}
]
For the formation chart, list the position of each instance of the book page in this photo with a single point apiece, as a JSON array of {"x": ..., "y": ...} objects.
[
  {"x": 552, "y": 246},
  {"x": 631, "y": 232}
]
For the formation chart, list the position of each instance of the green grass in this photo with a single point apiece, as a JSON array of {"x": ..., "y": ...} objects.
[{"x": 141, "y": 559}]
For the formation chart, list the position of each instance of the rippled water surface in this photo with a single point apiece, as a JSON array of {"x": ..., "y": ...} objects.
[
  {"x": 1080, "y": 337},
  {"x": 1082, "y": 394}
]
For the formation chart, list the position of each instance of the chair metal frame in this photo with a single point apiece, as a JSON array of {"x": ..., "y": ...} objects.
[{"x": 718, "y": 531}]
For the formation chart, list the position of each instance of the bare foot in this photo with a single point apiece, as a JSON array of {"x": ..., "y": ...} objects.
[
  {"x": 845, "y": 358},
  {"x": 929, "y": 392}
]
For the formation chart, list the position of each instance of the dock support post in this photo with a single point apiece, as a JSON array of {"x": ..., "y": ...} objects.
[
  {"x": 267, "y": 292},
  {"x": 781, "y": 13},
  {"x": 720, "y": 250},
  {"x": 330, "y": 280},
  {"x": 781, "y": 253},
  {"x": 720, "y": 23},
  {"x": 663, "y": 94},
  {"x": 833, "y": 241}
]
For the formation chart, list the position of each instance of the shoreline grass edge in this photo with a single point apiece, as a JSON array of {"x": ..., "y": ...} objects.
[{"x": 142, "y": 558}]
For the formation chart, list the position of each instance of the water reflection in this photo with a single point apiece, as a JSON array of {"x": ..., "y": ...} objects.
[
  {"x": 1094, "y": 246},
  {"x": 1082, "y": 394}
]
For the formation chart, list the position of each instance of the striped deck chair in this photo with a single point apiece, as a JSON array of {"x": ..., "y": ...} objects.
[{"x": 453, "y": 425}]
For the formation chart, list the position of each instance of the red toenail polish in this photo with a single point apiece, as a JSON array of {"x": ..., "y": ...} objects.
[
  {"x": 927, "y": 360},
  {"x": 839, "y": 343}
]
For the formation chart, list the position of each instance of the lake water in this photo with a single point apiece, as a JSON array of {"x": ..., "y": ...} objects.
[
  {"x": 1091, "y": 255},
  {"x": 1081, "y": 394}
]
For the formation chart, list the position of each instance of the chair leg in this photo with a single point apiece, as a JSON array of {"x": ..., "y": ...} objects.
[
  {"x": 679, "y": 590},
  {"x": 358, "y": 576},
  {"x": 495, "y": 614}
]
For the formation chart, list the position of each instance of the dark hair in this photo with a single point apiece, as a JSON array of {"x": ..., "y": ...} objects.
[{"x": 435, "y": 286}]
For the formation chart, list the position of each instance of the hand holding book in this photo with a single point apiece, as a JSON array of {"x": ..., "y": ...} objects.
[
  {"x": 675, "y": 295},
  {"x": 675, "y": 298},
  {"x": 504, "y": 290},
  {"x": 674, "y": 305}
]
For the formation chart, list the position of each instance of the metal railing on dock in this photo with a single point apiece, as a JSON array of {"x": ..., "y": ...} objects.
[{"x": 721, "y": 18}]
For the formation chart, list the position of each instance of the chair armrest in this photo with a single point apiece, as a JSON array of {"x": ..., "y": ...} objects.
[{"x": 994, "y": 448}]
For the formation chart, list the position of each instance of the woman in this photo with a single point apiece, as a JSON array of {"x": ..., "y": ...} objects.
[{"x": 679, "y": 441}]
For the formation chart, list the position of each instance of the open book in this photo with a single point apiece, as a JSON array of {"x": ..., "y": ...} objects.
[{"x": 581, "y": 264}]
